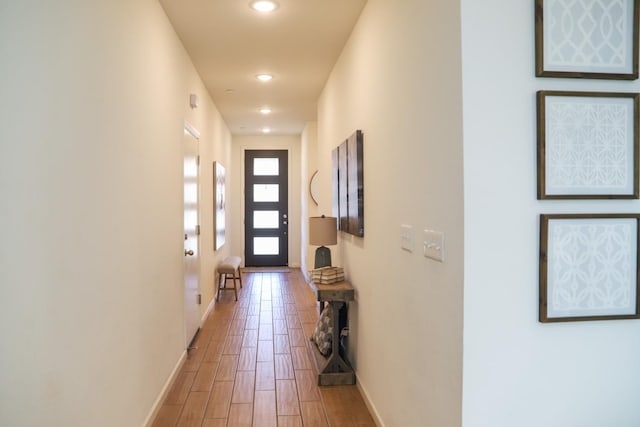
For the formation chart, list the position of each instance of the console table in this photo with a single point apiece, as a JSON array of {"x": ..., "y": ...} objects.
[{"x": 335, "y": 369}]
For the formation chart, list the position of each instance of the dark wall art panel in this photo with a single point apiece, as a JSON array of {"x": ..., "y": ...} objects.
[{"x": 348, "y": 184}]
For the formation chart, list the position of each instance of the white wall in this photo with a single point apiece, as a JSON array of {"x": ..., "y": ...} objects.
[
  {"x": 518, "y": 372},
  {"x": 309, "y": 141},
  {"x": 398, "y": 80},
  {"x": 94, "y": 95},
  {"x": 267, "y": 142},
  {"x": 215, "y": 145}
]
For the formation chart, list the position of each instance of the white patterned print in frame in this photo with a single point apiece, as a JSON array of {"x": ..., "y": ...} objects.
[
  {"x": 589, "y": 38},
  {"x": 220, "y": 202},
  {"x": 591, "y": 267},
  {"x": 587, "y": 145}
]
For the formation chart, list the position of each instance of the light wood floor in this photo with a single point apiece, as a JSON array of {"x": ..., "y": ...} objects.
[{"x": 252, "y": 366}]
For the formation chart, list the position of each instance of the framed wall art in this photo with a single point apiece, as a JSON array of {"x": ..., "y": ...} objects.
[
  {"x": 343, "y": 192},
  {"x": 587, "y": 145},
  {"x": 348, "y": 184},
  {"x": 589, "y": 267},
  {"x": 220, "y": 200},
  {"x": 335, "y": 183},
  {"x": 594, "y": 39},
  {"x": 356, "y": 184}
]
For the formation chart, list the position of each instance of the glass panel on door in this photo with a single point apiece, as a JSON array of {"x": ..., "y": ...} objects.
[
  {"x": 266, "y": 219},
  {"x": 266, "y": 245},
  {"x": 266, "y": 167},
  {"x": 266, "y": 192}
]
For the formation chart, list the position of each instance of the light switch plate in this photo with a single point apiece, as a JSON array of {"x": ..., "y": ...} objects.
[
  {"x": 433, "y": 245},
  {"x": 407, "y": 238}
]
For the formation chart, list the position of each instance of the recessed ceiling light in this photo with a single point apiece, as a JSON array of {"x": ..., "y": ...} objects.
[
  {"x": 265, "y": 110},
  {"x": 266, "y": 130},
  {"x": 264, "y": 77},
  {"x": 264, "y": 5}
]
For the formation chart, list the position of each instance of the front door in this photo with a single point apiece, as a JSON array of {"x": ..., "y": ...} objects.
[
  {"x": 191, "y": 266},
  {"x": 266, "y": 208}
]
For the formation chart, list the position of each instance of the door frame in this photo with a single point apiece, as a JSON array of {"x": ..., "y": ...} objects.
[
  {"x": 253, "y": 147},
  {"x": 196, "y": 135},
  {"x": 282, "y": 232}
]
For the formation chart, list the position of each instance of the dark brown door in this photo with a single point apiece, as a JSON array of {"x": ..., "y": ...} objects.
[{"x": 266, "y": 208}]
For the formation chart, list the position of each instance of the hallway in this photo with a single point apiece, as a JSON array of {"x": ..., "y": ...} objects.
[{"x": 251, "y": 366}]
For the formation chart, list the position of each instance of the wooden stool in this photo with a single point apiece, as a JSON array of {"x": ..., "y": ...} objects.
[{"x": 229, "y": 269}]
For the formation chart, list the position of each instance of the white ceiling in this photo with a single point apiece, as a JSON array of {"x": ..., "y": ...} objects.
[{"x": 230, "y": 43}]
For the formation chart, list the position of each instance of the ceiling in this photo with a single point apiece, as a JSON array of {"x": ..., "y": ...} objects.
[{"x": 230, "y": 44}]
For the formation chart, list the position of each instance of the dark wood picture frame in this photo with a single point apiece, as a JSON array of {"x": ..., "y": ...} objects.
[
  {"x": 579, "y": 239},
  {"x": 630, "y": 71},
  {"x": 356, "y": 184},
  {"x": 547, "y": 146},
  {"x": 343, "y": 190},
  {"x": 335, "y": 183},
  {"x": 348, "y": 184}
]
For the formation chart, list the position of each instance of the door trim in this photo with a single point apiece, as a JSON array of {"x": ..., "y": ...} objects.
[
  {"x": 250, "y": 147},
  {"x": 281, "y": 258},
  {"x": 196, "y": 135},
  {"x": 192, "y": 130}
]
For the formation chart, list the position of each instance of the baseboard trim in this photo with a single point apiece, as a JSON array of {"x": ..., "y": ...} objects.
[
  {"x": 165, "y": 390},
  {"x": 367, "y": 401},
  {"x": 208, "y": 310},
  {"x": 307, "y": 276}
]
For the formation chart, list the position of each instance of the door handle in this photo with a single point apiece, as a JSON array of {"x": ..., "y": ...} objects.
[{"x": 188, "y": 252}]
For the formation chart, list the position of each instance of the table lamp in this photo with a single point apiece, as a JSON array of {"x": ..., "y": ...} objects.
[{"x": 323, "y": 230}]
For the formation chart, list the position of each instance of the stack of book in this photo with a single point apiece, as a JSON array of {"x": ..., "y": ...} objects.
[{"x": 327, "y": 275}]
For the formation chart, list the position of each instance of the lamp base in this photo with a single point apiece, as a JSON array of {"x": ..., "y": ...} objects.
[{"x": 323, "y": 257}]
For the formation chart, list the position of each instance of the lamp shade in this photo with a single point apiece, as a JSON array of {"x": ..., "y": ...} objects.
[{"x": 323, "y": 230}]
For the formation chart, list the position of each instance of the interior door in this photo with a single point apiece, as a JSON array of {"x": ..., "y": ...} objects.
[
  {"x": 266, "y": 208},
  {"x": 191, "y": 231}
]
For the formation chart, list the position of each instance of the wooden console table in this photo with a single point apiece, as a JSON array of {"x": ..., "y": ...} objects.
[{"x": 335, "y": 369}]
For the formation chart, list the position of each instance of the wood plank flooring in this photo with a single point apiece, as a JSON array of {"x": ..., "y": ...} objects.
[{"x": 252, "y": 367}]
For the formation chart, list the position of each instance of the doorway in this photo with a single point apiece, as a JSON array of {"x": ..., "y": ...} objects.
[
  {"x": 266, "y": 208},
  {"x": 191, "y": 195}
]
